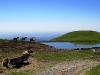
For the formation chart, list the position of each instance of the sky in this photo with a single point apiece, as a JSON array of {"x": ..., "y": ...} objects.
[{"x": 43, "y": 16}]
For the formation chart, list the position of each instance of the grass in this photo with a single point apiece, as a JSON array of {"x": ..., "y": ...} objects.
[
  {"x": 17, "y": 73},
  {"x": 80, "y": 36},
  {"x": 65, "y": 55},
  {"x": 9, "y": 53},
  {"x": 94, "y": 71},
  {"x": 51, "y": 58},
  {"x": 4, "y": 40}
]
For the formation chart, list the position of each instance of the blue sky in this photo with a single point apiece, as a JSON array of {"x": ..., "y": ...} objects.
[{"x": 34, "y": 16}]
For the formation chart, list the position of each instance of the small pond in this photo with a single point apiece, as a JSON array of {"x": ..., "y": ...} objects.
[{"x": 68, "y": 45}]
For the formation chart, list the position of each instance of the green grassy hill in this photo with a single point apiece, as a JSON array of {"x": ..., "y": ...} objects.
[{"x": 79, "y": 36}]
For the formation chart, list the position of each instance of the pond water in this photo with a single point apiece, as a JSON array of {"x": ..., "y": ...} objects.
[{"x": 68, "y": 45}]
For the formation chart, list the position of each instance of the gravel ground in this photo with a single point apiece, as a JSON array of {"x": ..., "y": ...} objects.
[{"x": 71, "y": 68}]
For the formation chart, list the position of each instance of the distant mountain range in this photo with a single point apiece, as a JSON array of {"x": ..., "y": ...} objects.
[
  {"x": 44, "y": 38},
  {"x": 37, "y": 37}
]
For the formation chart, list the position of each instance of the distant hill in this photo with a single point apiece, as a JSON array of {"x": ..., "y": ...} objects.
[{"x": 79, "y": 36}]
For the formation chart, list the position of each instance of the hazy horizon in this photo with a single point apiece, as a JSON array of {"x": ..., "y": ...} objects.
[
  {"x": 30, "y": 35},
  {"x": 38, "y": 35}
]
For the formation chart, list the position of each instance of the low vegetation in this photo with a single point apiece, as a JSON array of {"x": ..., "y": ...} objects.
[
  {"x": 51, "y": 58},
  {"x": 79, "y": 36},
  {"x": 4, "y": 40},
  {"x": 46, "y": 59},
  {"x": 65, "y": 55},
  {"x": 94, "y": 71}
]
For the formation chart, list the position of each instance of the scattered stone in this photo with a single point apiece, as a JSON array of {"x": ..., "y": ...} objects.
[{"x": 70, "y": 68}]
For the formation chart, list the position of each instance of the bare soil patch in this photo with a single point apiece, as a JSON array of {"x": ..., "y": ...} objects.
[{"x": 71, "y": 68}]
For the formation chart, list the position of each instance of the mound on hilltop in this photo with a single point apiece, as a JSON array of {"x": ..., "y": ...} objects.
[{"x": 79, "y": 36}]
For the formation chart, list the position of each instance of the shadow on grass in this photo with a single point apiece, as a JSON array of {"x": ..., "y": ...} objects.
[{"x": 21, "y": 64}]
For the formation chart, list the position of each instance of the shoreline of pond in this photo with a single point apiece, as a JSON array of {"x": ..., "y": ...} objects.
[{"x": 83, "y": 47}]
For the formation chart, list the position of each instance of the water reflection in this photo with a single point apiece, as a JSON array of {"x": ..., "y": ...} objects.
[
  {"x": 70, "y": 45},
  {"x": 86, "y": 43}
]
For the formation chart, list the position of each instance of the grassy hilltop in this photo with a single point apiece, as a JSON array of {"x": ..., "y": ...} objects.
[{"x": 79, "y": 36}]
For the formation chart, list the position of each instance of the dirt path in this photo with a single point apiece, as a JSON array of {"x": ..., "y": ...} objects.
[{"x": 71, "y": 68}]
